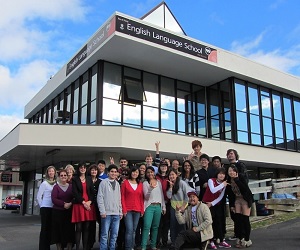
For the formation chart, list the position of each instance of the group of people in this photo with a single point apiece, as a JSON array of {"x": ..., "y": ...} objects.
[{"x": 141, "y": 204}]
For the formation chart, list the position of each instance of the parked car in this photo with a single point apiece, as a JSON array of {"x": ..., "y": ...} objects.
[{"x": 11, "y": 202}]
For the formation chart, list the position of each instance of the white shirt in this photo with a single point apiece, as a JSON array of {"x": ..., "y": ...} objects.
[{"x": 44, "y": 194}]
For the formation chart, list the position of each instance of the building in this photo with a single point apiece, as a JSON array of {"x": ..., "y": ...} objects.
[{"x": 137, "y": 81}]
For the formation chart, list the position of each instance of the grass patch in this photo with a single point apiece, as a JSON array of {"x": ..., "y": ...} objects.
[{"x": 274, "y": 219}]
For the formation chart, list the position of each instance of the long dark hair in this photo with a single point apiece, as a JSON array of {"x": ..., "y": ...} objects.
[
  {"x": 133, "y": 169},
  {"x": 183, "y": 172},
  {"x": 176, "y": 184},
  {"x": 93, "y": 166},
  {"x": 152, "y": 169}
]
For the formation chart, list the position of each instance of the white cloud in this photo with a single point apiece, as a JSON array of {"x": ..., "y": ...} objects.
[
  {"x": 22, "y": 37},
  {"x": 8, "y": 122},
  {"x": 281, "y": 59},
  {"x": 18, "y": 88}
]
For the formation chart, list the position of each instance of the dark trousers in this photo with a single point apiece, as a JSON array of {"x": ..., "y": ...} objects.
[
  {"x": 164, "y": 226},
  {"x": 188, "y": 238},
  {"x": 218, "y": 216},
  {"x": 121, "y": 235},
  {"x": 45, "y": 234},
  {"x": 138, "y": 232}
]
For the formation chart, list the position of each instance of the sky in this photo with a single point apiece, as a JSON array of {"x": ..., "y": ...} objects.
[{"x": 38, "y": 37}]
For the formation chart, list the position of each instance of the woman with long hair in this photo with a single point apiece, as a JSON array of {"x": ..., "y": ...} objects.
[
  {"x": 154, "y": 205},
  {"x": 94, "y": 172},
  {"x": 63, "y": 229},
  {"x": 189, "y": 175},
  {"x": 240, "y": 202},
  {"x": 164, "y": 227},
  {"x": 83, "y": 208},
  {"x": 177, "y": 193},
  {"x": 45, "y": 203},
  {"x": 132, "y": 198},
  {"x": 214, "y": 198},
  {"x": 70, "y": 171}
]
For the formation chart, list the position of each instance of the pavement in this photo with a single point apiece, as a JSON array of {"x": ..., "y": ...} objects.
[{"x": 22, "y": 232}]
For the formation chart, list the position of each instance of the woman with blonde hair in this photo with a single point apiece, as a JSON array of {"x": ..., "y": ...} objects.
[
  {"x": 70, "y": 172},
  {"x": 45, "y": 203}
]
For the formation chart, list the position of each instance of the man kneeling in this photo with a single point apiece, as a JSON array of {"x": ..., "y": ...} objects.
[{"x": 197, "y": 218}]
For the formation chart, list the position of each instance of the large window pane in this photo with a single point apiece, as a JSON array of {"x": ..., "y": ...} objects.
[
  {"x": 111, "y": 110},
  {"x": 267, "y": 126},
  {"x": 132, "y": 114},
  {"x": 253, "y": 100},
  {"x": 150, "y": 82},
  {"x": 266, "y": 106},
  {"x": 255, "y": 124},
  {"x": 150, "y": 117},
  {"x": 94, "y": 87},
  {"x": 297, "y": 111},
  {"x": 241, "y": 118},
  {"x": 93, "y": 111},
  {"x": 215, "y": 127},
  {"x": 289, "y": 131},
  {"x": 112, "y": 80},
  {"x": 167, "y": 120},
  {"x": 242, "y": 137},
  {"x": 83, "y": 115},
  {"x": 268, "y": 141},
  {"x": 76, "y": 96},
  {"x": 278, "y": 129},
  {"x": 84, "y": 93},
  {"x": 287, "y": 109},
  {"x": 277, "y": 107},
  {"x": 181, "y": 122},
  {"x": 167, "y": 93},
  {"x": 240, "y": 97},
  {"x": 255, "y": 139}
]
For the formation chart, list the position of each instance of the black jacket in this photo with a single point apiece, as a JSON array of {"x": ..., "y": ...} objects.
[
  {"x": 78, "y": 191},
  {"x": 244, "y": 189}
]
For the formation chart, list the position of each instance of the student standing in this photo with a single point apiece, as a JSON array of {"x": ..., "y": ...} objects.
[
  {"x": 45, "y": 203},
  {"x": 132, "y": 198},
  {"x": 110, "y": 207}
]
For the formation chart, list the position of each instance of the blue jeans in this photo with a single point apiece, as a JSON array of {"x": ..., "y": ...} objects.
[
  {"x": 151, "y": 221},
  {"x": 131, "y": 221},
  {"x": 109, "y": 226}
]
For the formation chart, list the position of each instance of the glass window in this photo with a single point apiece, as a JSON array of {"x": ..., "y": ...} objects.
[
  {"x": 277, "y": 107},
  {"x": 93, "y": 111},
  {"x": 167, "y": 120},
  {"x": 150, "y": 117},
  {"x": 215, "y": 127},
  {"x": 266, "y": 106},
  {"x": 253, "y": 100},
  {"x": 279, "y": 143},
  {"x": 267, "y": 126},
  {"x": 297, "y": 112},
  {"x": 76, "y": 95},
  {"x": 111, "y": 110},
  {"x": 112, "y": 80},
  {"x": 268, "y": 141},
  {"x": 255, "y": 124},
  {"x": 133, "y": 91},
  {"x": 84, "y": 93},
  {"x": 242, "y": 136},
  {"x": 287, "y": 109},
  {"x": 181, "y": 122},
  {"x": 240, "y": 96},
  {"x": 75, "y": 117},
  {"x": 167, "y": 93},
  {"x": 278, "y": 129},
  {"x": 241, "y": 118},
  {"x": 132, "y": 115},
  {"x": 134, "y": 73},
  {"x": 69, "y": 98},
  {"x": 150, "y": 82},
  {"x": 255, "y": 139},
  {"x": 289, "y": 131},
  {"x": 83, "y": 115}
]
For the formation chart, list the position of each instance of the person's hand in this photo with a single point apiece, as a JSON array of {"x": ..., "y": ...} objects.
[
  {"x": 157, "y": 144},
  {"x": 121, "y": 216},
  {"x": 205, "y": 185},
  {"x": 103, "y": 215},
  {"x": 142, "y": 215},
  {"x": 208, "y": 204},
  {"x": 163, "y": 211},
  {"x": 225, "y": 183},
  {"x": 232, "y": 209},
  {"x": 124, "y": 214},
  {"x": 111, "y": 160},
  {"x": 153, "y": 183},
  {"x": 67, "y": 205},
  {"x": 178, "y": 208},
  {"x": 194, "y": 229},
  {"x": 171, "y": 184}
]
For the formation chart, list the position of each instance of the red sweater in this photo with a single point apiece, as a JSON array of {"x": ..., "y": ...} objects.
[{"x": 132, "y": 200}]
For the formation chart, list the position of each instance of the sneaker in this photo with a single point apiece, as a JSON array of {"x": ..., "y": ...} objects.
[
  {"x": 224, "y": 244},
  {"x": 245, "y": 243},
  {"x": 212, "y": 245},
  {"x": 232, "y": 237}
]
